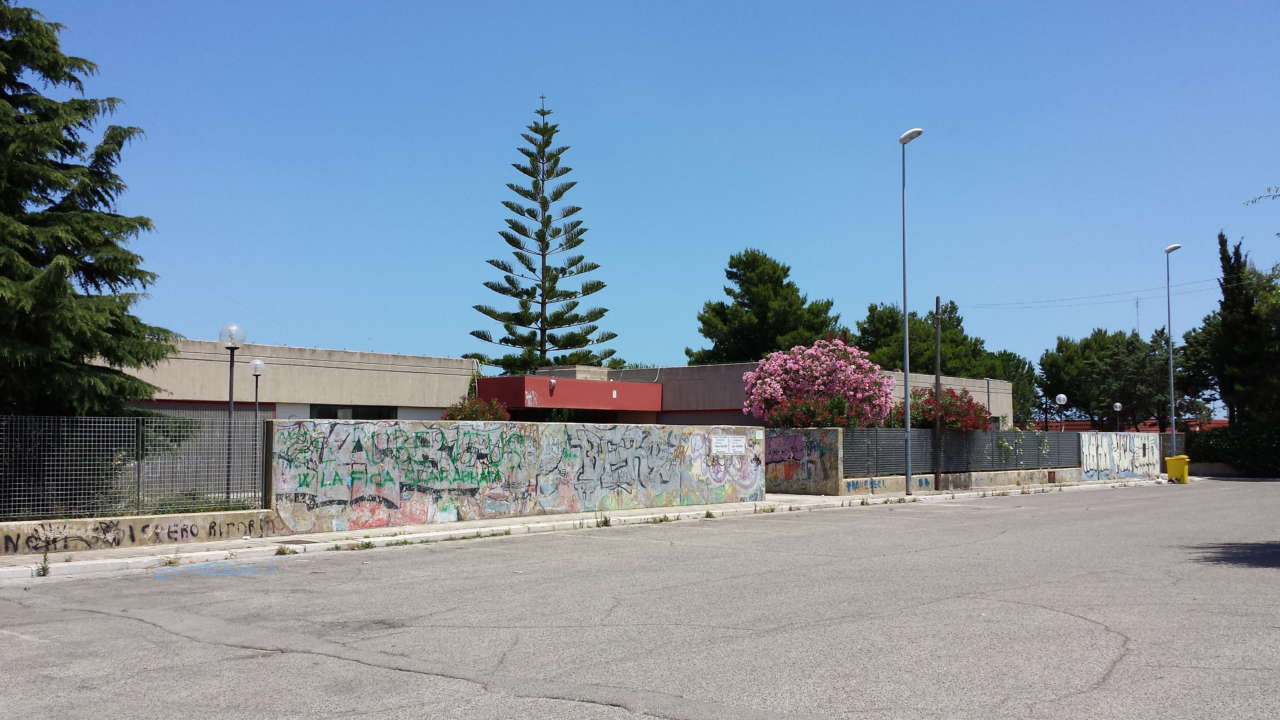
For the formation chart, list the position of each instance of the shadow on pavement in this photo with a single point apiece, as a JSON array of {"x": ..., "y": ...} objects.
[{"x": 1263, "y": 554}]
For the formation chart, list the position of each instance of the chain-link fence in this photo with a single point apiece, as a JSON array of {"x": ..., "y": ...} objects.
[
  {"x": 65, "y": 467},
  {"x": 873, "y": 452}
]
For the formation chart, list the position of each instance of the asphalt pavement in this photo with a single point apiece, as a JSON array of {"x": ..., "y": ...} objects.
[{"x": 1159, "y": 601}]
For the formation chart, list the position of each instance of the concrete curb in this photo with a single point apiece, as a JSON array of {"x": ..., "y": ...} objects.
[{"x": 268, "y": 547}]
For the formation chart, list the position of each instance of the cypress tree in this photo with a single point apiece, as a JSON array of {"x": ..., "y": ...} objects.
[
  {"x": 67, "y": 282},
  {"x": 546, "y": 319}
]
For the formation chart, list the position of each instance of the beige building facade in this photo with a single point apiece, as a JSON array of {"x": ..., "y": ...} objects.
[{"x": 309, "y": 382}]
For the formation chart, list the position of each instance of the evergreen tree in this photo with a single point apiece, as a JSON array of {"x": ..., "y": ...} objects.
[
  {"x": 67, "y": 282},
  {"x": 546, "y": 319},
  {"x": 1243, "y": 349},
  {"x": 767, "y": 314},
  {"x": 963, "y": 355}
]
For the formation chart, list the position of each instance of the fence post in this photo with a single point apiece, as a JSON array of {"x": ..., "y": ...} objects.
[
  {"x": 139, "y": 452},
  {"x": 264, "y": 465}
]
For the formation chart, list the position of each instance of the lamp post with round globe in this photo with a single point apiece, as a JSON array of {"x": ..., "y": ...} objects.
[
  {"x": 232, "y": 337},
  {"x": 1061, "y": 400}
]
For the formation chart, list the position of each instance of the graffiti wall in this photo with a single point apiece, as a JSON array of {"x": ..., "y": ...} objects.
[
  {"x": 36, "y": 536},
  {"x": 1113, "y": 456},
  {"x": 806, "y": 461},
  {"x": 343, "y": 475}
]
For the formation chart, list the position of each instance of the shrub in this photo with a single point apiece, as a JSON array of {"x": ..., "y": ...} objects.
[
  {"x": 959, "y": 411},
  {"x": 476, "y": 408},
  {"x": 1254, "y": 451},
  {"x": 828, "y": 384}
]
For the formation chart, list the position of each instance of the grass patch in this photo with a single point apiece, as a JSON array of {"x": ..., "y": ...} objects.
[
  {"x": 765, "y": 509},
  {"x": 193, "y": 502},
  {"x": 659, "y": 519},
  {"x": 709, "y": 515},
  {"x": 603, "y": 520},
  {"x": 865, "y": 502},
  {"x": 285, "y": 550},
  {"x": 399, "y": 543}
]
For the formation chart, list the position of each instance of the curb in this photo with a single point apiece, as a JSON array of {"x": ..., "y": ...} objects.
[{"x": 581, "y": 522}]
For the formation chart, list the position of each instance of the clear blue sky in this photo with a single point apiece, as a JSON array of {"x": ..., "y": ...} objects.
[{"x": 329, "y": 174}]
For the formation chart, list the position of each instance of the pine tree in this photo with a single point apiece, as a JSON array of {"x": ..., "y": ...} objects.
[
  {"x": 546, "y": 319},
  {"x": 67, "y": 282},
  {"x": 768, "y": 313}
]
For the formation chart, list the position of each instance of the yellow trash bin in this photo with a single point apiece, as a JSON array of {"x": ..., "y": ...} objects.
[{"x": 1178, "y": 467}]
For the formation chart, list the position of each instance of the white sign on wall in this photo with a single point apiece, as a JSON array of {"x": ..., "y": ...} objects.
[{"x": 728, "y": 445}]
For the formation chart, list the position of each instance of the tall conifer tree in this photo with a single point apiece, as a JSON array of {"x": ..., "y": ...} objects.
[
  {"x": 546, "y": 319},
  {"x": 67, "y": 282}
]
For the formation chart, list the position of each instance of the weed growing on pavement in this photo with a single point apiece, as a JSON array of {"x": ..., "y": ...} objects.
[
  {"x": 603, "y": 520},
  {"x": 335, "y": 547},
  {"x": 399, "y": 543},
  {"x": 710, "y": 515},
  {"x": 865, "y": 502},
  {"x": 366, "y": 545},
  {"x": 42, "y": 570},
  {"x": 285, "y": 550},
  {"x": 659, "y": 519},
  {"x": 171, "y": 560},
  {"x": 1026, "y": 491},
  {"x": 764, "y": 508}
]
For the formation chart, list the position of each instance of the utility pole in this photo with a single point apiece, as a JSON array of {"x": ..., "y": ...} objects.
[{"x": 937, "y": 392}]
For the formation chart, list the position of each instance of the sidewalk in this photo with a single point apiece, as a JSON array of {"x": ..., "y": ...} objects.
[{"x": 96, "y": 562}]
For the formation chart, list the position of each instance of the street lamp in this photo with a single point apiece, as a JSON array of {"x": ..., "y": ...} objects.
[
  {"x": 1168, "y": 301},
  {"x": 903, "y": 139},
  {"x": 1117, "y": 407},
  {"x": 1061, "y": 400},
  {"x": 232, "y": 337}
]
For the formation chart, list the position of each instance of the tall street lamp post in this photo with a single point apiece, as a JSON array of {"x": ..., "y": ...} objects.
[
  {"x": 1168, "y": 301},
  {"x": 1061, "y": 400},
  {"x": 1117, "y": 407},
  {"x": 903, "y": 139},
  {"x": 232, "y": 337}
]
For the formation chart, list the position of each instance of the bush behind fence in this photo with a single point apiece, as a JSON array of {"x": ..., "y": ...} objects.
[{"x": 67, "y": 467}]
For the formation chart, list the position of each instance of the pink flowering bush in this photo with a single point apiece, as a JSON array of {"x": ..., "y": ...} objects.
[{"x": 830, "y": 384}]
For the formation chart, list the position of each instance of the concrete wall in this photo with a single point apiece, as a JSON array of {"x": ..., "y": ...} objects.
[
  {"x": 341, "y": 475},
  {"x": 1112, "y": 456},
  {"x": 101, "y": 533},
  {"x": 307, "y": 376},
  {"x": 806, "y": 461}
]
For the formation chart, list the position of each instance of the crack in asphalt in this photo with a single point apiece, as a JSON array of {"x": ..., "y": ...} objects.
[
  {"x": 1125, "y": 649},
  {"x": 638, "y": 701}
]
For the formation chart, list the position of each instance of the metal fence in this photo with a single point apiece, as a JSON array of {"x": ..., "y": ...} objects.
[
  {"x": 65, "y": 467},
  {"x": 873, "y": 452}
]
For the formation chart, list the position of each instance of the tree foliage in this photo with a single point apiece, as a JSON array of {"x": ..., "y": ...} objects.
[
  {"x": 543, "y": 236},
  {"x": 1104, "y": 368},
  {"x": 767, "y": 313},
  {"x": 963, "y": 355},
  {"x": 956, "y": 411},
  {"x": 1234, "y": 353},
  {"x": 67, "y": 282},
  {"x": 827, "y": 384}
]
